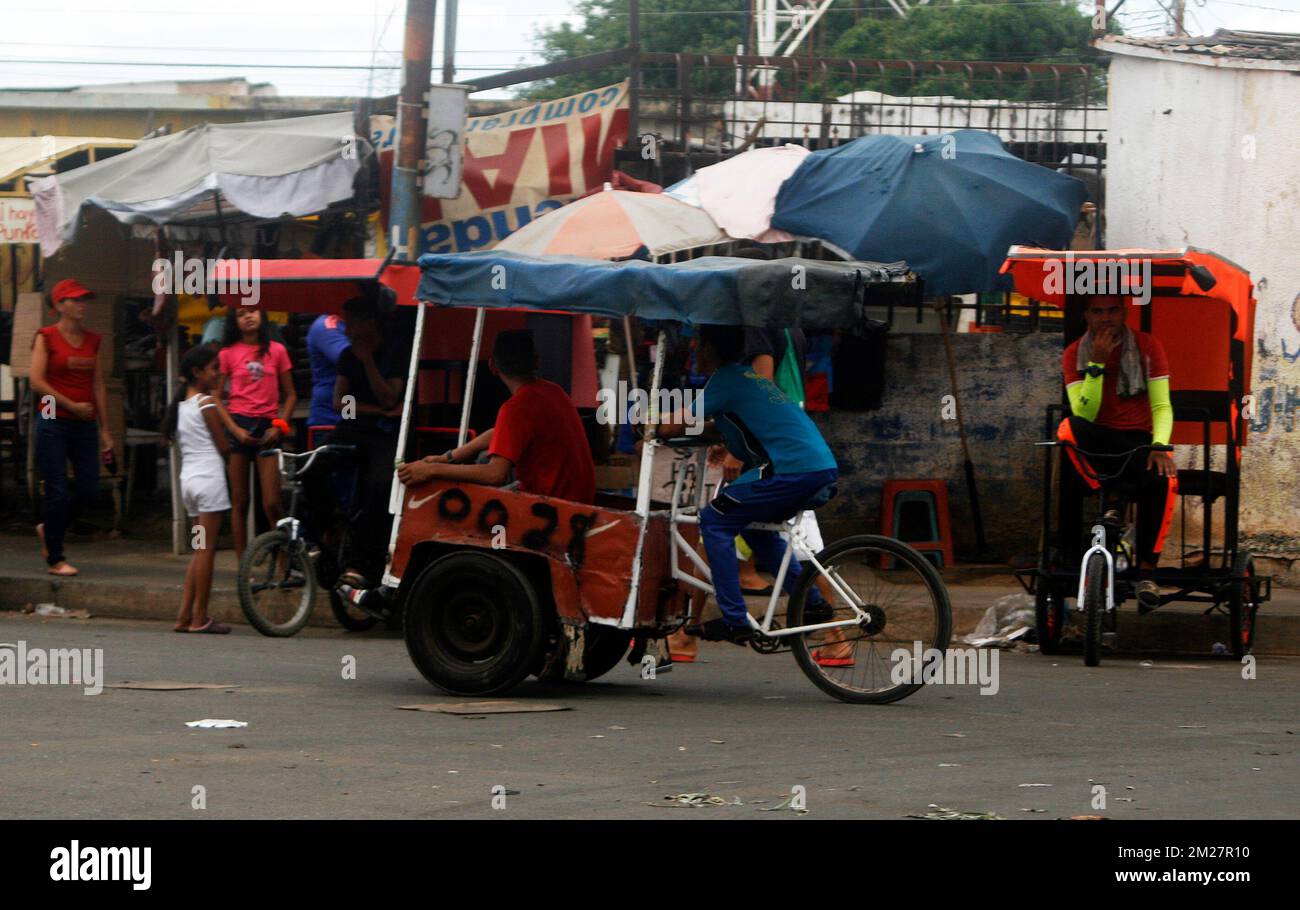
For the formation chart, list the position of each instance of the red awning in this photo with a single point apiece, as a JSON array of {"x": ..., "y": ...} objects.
[{"x": 311, "y": 285}]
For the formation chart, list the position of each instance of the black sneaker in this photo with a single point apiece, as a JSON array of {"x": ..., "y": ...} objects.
[
  {"x": 720, "y": 630},
  {"x": 1148, "y": 596}
]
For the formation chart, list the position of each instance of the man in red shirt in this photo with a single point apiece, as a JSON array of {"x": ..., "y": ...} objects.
[
  {"x": 1117, "y": 381},
  {"x": 538, "y": 433}
]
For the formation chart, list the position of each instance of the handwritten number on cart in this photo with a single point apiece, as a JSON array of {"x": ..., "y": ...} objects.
[
  {"x": 458, "y": 499},
  {"x": 494, "y": 513},
  {"x": 538, "y": 538},
  {"x": 579, "y": 525}
]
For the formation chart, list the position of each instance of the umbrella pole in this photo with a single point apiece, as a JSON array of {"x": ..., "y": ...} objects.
[
  {"x": 969, "y": 465},
  {"x": 173, "y": 468}
]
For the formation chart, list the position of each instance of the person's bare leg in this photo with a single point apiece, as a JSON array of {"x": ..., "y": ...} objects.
[
  {"x": 681, "y": 645},
  {"x": 268, "y": 476},
  {"x": 238, "y": 471},
  {"x": 203, "y": 562},
  {"x": 749, "y": 578},
  {"x": 187, "y": 598},
  {"x": 833, "y": 646}
]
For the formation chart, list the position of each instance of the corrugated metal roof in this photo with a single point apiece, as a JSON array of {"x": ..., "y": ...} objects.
[
  {"x": 1223, "y": 43},
  {"x": 22, "y": 154}
]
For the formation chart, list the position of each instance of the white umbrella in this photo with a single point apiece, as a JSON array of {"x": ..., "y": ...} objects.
[{"x": 740, "y": 193}]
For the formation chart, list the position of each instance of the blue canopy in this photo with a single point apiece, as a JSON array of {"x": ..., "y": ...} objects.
[
  {"x": 713, "y": 289},
  {"x": 951, "y": 205}
]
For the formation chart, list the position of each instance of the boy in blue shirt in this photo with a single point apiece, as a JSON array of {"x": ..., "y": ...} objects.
[{"x": 787, "y": 467}]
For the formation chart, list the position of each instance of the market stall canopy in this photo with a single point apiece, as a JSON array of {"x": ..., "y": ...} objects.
[
  {"x": 308, "y": 285},
  {"x": 263, "y": 169},
  {"x": 717, "y": 290},
  {"x": 949, "y": 204},
  {"x": 616, "y": 224},
  {"x": 740, "y": 193},
  {"x": 27, "y": 155}
]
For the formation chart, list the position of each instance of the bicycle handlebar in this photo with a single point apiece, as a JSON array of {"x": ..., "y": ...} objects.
[{"x": 1093, "y": 473}]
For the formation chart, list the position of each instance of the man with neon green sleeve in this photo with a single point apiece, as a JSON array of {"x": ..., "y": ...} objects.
[{"x": 1117, "y": 380}]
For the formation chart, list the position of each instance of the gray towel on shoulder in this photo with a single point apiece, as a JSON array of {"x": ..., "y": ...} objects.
[{"x": 1132, "y": 366}]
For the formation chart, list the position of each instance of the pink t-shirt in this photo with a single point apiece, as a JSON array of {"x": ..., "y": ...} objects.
[{"x": 254, "y": 382}]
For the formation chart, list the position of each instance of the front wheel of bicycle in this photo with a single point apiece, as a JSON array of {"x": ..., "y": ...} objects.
[
  {"x": 277, "y": 584},
  {"x": 1094, "y": 592},
  {"x": 906, "y": 606}
]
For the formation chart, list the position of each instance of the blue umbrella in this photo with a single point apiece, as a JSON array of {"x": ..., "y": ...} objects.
[{"x": 950, "y": 205}]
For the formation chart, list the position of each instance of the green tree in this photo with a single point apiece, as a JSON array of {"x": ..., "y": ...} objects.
[
  {"x": 673, "y": 26},
  {"x": 1018, "y": 32}
]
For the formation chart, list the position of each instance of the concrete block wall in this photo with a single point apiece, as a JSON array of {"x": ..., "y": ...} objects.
[{"x": 1005, "y": 383}]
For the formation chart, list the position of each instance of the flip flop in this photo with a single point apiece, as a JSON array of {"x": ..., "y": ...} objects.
[
  {"x": 211, "y": 627},
  {"x": 831, "y": 661},
  {"x": 66, "y": 572},
  {"x": 682, "y": 658}
]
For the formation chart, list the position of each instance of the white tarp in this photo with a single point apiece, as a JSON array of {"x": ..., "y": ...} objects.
[{"x": 265, "y": 169}]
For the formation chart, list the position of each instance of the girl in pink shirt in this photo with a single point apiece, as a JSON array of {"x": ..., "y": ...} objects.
[{"x": 261, "y": 400}]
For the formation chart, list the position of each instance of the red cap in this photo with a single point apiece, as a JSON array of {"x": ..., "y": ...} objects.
[{"x": 69, "y": 289}]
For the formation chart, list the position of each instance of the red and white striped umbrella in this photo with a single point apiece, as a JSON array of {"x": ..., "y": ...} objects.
[{"x": 614, "y": 224}]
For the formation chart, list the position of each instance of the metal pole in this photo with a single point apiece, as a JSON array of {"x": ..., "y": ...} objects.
[
  {"x": 417, "y": 60},
  {"x": 634, "y": 69},
  {"x": 449, "y": 42},
  {"x": 396, "y": 488},
  {"x": 173, "y": 463},
  {"x": 470, "y": 374}
]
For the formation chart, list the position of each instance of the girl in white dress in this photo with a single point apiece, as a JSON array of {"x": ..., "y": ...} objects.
[{"x": 198, "y": 422}]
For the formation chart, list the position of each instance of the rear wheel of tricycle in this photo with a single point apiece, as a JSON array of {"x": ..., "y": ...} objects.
[
  {"x": 1242, "y": 606},
  {"x": 1094, "y": 592},
  {"x": 1049, "y": 610},
  {"x": 905, "y": 603},
  {"x": 473, "y": 624}
]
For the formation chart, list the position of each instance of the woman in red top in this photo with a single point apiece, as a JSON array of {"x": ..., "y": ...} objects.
[
  {"x": 68, "y": 378},
  {"x": 261, "y": 401}
]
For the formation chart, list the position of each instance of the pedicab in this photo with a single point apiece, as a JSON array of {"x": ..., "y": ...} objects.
[
  {"x": 496, "y": 584},
  {"x": 1201, "y": 307}
]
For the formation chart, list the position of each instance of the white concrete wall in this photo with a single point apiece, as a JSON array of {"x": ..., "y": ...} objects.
[{"x": 1210, "y": 157}]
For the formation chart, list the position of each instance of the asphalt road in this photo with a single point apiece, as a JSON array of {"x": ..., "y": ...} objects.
[{"x": 1182, "y": 738}]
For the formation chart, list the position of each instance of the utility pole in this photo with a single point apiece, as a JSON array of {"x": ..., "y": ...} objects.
[
  {"x": 449, "y": 42},
  {"x": 634, "y": 69},
  {"x": 417, "y": 60},
  {"x": 1180, "y": 7}
]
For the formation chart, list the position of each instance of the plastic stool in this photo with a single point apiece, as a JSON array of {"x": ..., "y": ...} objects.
[{"x": 934, "y": 540}]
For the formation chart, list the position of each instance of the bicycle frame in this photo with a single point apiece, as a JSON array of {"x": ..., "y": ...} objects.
[{"x": 789, "y": 531}]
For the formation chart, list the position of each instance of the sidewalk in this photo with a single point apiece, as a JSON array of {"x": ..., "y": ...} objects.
[{"x": 140, "y": 579}]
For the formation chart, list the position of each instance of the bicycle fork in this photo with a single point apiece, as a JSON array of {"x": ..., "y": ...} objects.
[{"x": 1098, "y": 546}]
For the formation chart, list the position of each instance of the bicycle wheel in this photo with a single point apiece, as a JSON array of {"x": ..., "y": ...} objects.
[
  {"x": 907, "y": 605},
  {"x": 1095, "y": 592},
  {"x": 276, "y": 584}
]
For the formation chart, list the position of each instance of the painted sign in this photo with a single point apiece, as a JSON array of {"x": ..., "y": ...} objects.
[
  {"x": 18, "y": 220},
  {"x": 518, "y": 165}
]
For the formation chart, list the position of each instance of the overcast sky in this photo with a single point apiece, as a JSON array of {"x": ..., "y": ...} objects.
[{"x": 62, "y": 43}]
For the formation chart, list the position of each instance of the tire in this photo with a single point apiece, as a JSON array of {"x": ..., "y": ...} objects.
[
  {"x": 1095, "y": 592},
  {"x": 1049, "y": 611},
  {"x": 270, "y": 606},
  {"x": 919, "y": 610},
  {"x": 1242, "y": 607},
  {"x": 473, "y": 624},
  {"x": 347, "y": 616}
]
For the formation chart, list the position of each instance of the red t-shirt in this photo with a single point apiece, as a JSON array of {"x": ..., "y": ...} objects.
[
  {"x": 1115, "y": 412},
  {"x": 539, "y": 431},
  {"x": 254, "y": 378},
  {"x": 71, "y": 370}
]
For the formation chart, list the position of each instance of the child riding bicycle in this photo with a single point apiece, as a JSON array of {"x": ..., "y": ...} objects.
[{"x": 787, "y": 468}]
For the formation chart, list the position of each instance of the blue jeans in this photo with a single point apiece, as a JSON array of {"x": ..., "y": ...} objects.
[
  {"x": 58, "y": 441},
  {"x": 769, "y": 500}
]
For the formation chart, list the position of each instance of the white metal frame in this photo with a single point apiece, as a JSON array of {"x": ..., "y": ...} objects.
[{"x": 1098, "y": 546}]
